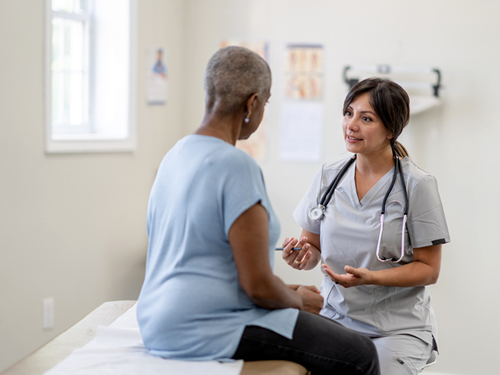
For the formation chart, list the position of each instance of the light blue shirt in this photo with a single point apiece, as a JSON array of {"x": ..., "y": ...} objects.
[
  {"x": 192, "y": 305},
  {"x": 349, "y": 234}
]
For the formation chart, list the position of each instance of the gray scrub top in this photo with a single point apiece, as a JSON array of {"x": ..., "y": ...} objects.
[{"x": 349, "y": 234}]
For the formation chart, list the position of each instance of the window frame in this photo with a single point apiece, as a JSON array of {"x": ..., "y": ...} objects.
[
  {"x": 91, "y": 142},
  {"x": 87, "y": 51}
]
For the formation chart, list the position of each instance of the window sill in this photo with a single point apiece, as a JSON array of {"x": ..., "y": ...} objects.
[{"x": 90, "y": 146}]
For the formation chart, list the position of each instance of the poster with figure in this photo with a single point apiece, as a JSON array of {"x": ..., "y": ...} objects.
[
  {"x": 304, "y": 71},
  {"x": 157, "y": 77},
  {"x": 256, "y": 144},
  {"x": 302, "y": 111}
]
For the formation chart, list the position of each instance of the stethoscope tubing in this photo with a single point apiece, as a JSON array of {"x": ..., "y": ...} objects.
[
  {"x": 333, "y": 185},
  {"x": 327, "y": 196},
  {"x": 397, "y": 168}
]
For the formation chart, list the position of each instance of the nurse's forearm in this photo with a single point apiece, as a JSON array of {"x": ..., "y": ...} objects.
[
  {"x": 409, "y": 275},
  {"x": 424, "y": 270}
]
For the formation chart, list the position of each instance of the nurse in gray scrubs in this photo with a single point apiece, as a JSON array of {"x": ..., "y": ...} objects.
[{"x": 375, "y": 281}]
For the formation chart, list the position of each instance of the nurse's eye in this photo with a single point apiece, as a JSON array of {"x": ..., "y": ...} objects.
[
  {"x": 347, "y": 113},
  {"x": 367, "y": 119}
]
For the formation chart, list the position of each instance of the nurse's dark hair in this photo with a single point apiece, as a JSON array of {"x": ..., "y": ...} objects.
[
  {"x": 391, "y": 103},
  {"x": 232, "y": 76}
]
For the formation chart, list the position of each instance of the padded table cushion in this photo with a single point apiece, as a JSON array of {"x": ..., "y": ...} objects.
[{"x": 84, "y": 331}]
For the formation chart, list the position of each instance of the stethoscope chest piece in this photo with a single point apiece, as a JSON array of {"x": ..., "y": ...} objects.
[{"x": 317, "y": 213}]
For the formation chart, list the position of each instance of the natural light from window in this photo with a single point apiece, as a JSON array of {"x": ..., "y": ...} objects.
[{"x": 89, "y": 75}]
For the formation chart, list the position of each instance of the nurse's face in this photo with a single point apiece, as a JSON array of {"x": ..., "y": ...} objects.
[{"x": 364, "y": 132}]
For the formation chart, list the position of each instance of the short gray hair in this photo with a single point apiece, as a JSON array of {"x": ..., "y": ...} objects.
[{"x": 233, "y": 74}]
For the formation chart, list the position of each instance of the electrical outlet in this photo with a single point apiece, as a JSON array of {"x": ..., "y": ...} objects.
[{"x": 48, "y": 313}]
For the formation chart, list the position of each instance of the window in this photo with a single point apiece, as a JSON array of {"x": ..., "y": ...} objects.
[{"x": 89, "y": 76}]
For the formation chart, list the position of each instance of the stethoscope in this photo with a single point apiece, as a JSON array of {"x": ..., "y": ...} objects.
[{"x": 318, "y": 212}]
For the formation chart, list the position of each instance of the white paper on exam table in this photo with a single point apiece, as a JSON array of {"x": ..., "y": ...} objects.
[{"x": 118, "y": 349}]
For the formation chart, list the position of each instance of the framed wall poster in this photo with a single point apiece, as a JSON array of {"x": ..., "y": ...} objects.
[
  {"x": 156, "y": 77},
  {"x": 304, "y": 71},
  {"x": 302, "y": 110}
]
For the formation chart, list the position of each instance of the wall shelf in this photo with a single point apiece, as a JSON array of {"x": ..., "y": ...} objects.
[{"x": 421, "y": 83}]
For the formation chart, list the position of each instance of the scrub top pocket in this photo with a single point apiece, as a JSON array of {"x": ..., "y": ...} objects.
[{"x": 391, "y": 241}]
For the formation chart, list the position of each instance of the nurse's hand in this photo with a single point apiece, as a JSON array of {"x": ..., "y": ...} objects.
[
  {"x": 296, "y": 259},
  {"x": 311, "y": 298},
  {"x": 352, "y": 277}
]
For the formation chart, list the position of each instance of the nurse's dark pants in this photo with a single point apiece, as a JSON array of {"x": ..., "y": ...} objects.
[{"x": 319, "y": 344}]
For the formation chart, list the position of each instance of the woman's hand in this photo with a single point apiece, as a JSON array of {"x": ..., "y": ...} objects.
[
  {"x": 296, "y": 259},
  {"x": 308, "y": 257},
  {"x": 424, "y": 270},
  {"x": 352, "y": 277},
  {"x": 311, "y": 298}
]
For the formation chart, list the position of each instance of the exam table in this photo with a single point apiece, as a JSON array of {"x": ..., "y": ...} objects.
[{"x": 83, "y": 332}]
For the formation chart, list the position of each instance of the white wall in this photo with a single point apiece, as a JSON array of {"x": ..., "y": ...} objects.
[
  {"x": 89, "y": 249},
  {"x": 72, "y": 227},
  {"x": 456, "y": 142}
]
